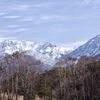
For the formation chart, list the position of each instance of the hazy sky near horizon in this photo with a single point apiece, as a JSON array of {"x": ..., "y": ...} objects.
[{"x": 57, "y": 21}]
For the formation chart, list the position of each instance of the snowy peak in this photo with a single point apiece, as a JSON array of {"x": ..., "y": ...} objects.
[
  {"x": 46, "y": 52},
  {"x": 11, "y": 46},
  {"x": 94, "y": 40},
  {"x": 46, "y": 48},
  {"x": 91, "y": 48},
  {"x": 97, "y": 36}
]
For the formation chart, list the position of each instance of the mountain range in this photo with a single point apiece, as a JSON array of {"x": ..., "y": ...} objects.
[
  {"x": 46, "y": 52},
  {"x": 49, "y": 53}
]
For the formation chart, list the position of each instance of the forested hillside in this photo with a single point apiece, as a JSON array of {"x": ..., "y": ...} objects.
[{"x": 75, "y": 81}]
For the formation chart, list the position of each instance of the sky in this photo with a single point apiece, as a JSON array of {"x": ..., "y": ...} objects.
[{"x": 56, "y": 21}]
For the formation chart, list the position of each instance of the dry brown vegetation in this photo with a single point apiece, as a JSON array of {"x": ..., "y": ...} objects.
[
  {"x": 5, "y": 97},
  {"x": 65, "y": 81}
]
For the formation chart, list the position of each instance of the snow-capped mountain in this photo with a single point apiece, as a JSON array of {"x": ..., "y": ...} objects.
[
  {"x": 91, "y": 48},
  {"x": 47, "y": 52}
]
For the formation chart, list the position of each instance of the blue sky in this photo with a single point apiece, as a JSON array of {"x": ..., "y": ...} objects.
[{"x": 56, "y": 21}]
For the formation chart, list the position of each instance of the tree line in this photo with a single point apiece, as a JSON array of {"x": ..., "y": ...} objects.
[{"x": 21, "y": 75}]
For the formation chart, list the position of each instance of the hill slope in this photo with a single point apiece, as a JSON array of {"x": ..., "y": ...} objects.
[{"x": 91, "y": 48}]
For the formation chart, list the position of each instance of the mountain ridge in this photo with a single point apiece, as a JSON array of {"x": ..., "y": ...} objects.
[
  {"x": 90, "y": 48},
  {"x": 49, "y": 53},
  {"x": 46, "y": 52}
]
